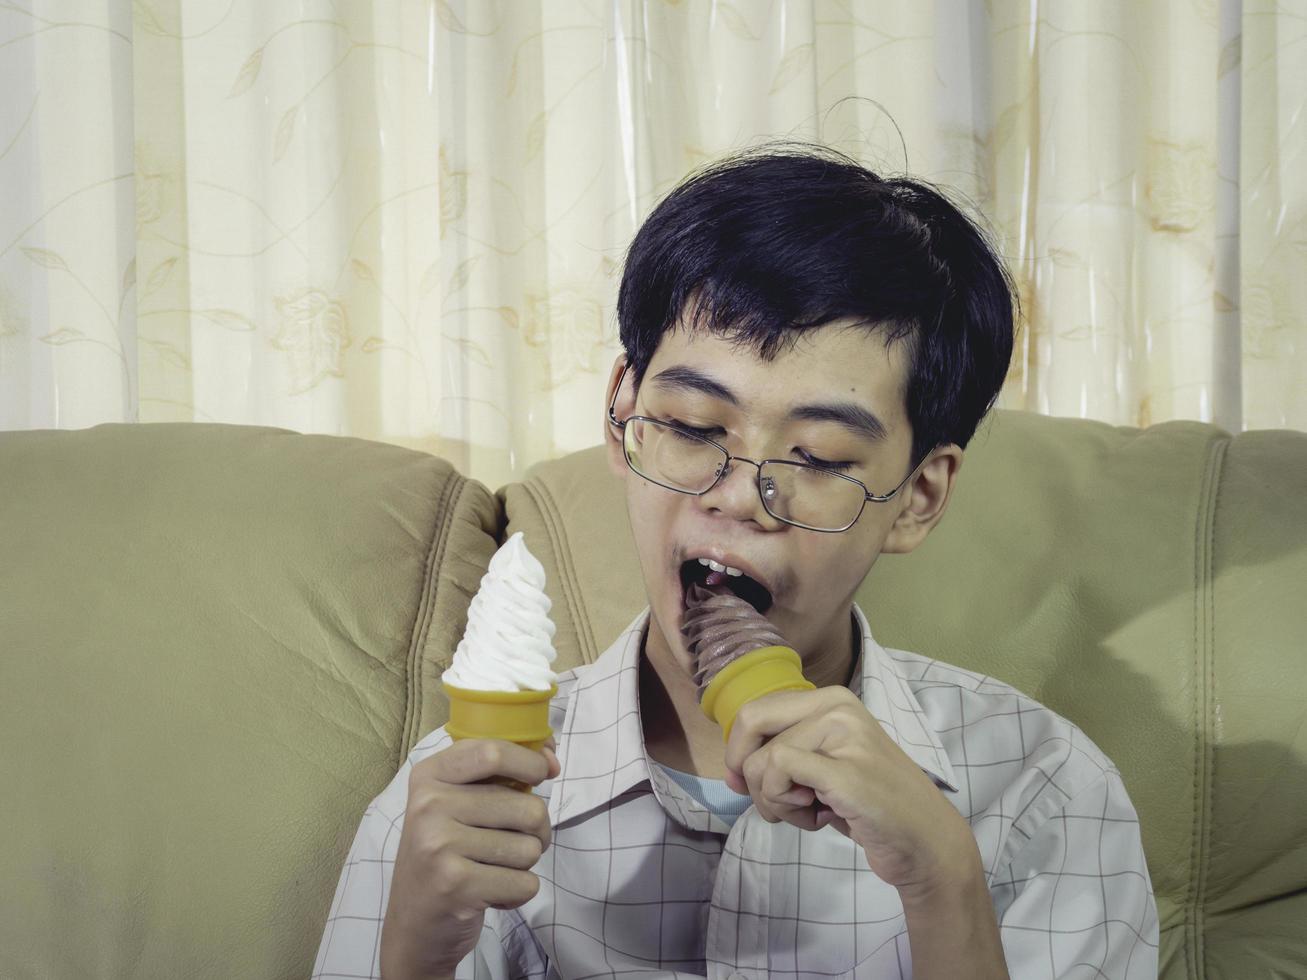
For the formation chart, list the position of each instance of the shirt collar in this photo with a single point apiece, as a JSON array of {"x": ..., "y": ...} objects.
[
  {"x": 601, "y": 743},
  {"x": 887, "y": 694}
]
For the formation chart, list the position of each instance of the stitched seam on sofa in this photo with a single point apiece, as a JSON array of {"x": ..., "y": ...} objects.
[
  {"x": 446, "y": 507},
  {"x": 566, "y": 570},
  {"x": 1204, "y": 528},
  {"x": 567, "y": 576},
  {"x": 1214, "y": 478}
]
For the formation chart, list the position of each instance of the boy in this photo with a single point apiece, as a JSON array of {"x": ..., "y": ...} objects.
[{"x": 808, "y": 350}]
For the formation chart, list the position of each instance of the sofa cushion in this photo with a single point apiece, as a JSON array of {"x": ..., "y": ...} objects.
[
  {"x": 1251, "y": 830},
  {"x": 1092, "y": 567},
  {"x": 218, "y": 644}
]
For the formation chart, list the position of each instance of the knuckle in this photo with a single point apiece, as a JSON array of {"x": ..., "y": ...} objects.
[
  {"x": 746, "y": 718},
  {"x": 537, "y": 815},
  {"x": 781, "y": 751},
  {"x": 423, "y": 774},
  {"x": 845, "y": 695},
  {"x": 436, "y": 765},
  {"x": 466, "y": 915},
  {"x": 435, "y": 841},
  {"x": 451, "y": 877},
  {"x": 849, "y": 704},
  {"x": 847, "y": 710},
  {"x": 421, "y": 810},
  {"x": 428, "y": 803},
  {"x": 532, "y": 848},
  {"x": 528, "y": 887},
  {"x": 490, "y": 755},
  {"x": 418, "y": 802},
  {"x": 416, "y": 776}
]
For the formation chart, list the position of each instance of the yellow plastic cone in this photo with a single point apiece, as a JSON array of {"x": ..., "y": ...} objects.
[
  {"x": 514, "y": 716},
  {"x": 758, "y": 672}
]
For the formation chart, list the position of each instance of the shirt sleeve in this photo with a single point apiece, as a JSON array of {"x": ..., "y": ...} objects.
[
  {"x": 1076, "y": 898},
  {"x": 351, "y": 941}
]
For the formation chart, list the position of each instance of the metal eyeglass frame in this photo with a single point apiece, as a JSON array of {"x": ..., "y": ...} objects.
[{"x": 725, "y": 468}]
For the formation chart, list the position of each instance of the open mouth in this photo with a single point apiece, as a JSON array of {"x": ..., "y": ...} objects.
[{"x": 695, "y": 570}]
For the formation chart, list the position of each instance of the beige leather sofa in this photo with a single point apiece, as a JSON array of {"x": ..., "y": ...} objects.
[{"x": 217, "y": 643}]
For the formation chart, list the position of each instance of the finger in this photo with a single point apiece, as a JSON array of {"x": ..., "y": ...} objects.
[
  {"x": 736, "y": 782},
  {"x": 494, "y": 807},
  {"x": 810, "y": 733},
  {"x": 501, "y": 848},
  {"x": 763, "y": 786},
  {"x": 778, "y": 776},
  {"x": 770, "y": 787},
  {"x": 555, "y": 767},
  {"x": 797, "y": 766},
  {"x": 768, "y": 716},
  {"x": 499, "y": 888},
  {"x": 472, "y": 760},
  {"x": 782, "y": 792},
  {"x": 826, "y": 817},
  {"x": 798, "y": 796}
]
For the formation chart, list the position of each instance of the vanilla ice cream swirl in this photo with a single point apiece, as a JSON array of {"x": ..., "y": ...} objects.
[
  {"x": 720, "y": 628},
  {"x": 508, "y": 643}
]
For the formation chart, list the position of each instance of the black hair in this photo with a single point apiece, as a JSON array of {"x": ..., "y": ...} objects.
[{"x": 769, "y": 242}]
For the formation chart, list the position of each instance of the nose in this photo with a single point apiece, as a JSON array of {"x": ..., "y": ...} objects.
[{"x": 736, "y": 495}]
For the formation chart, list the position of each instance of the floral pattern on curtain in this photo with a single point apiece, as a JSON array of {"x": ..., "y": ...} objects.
[{"x": 406, "y": 221}]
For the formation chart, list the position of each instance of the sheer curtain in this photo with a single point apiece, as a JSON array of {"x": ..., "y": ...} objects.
[{"x": 405, "y": 221}]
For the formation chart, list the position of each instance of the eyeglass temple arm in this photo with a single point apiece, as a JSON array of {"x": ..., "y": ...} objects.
[
  {"x": 612, "y": 405},
  {"x": 881, "y": 498}
]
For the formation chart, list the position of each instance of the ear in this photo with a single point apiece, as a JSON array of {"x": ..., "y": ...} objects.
[
  {"x": 624, "y": 407},
  {"x": 924, "y": 500}
]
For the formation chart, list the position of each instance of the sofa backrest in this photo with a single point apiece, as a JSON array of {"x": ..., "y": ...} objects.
[
  {"x": 217, "y": 645},
  {"x": 1150, "y": 585}
]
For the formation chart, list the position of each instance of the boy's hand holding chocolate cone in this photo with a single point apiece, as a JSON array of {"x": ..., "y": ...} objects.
[{"x": 472, "y": 829}]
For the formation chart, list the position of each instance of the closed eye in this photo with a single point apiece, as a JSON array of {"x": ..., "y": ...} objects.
[
  {"x": 835, "y": 466},
  {"x": 695, "y": 430}
]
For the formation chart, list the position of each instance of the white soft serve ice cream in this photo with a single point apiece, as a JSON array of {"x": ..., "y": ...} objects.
[{"x": 508, "y": 644}]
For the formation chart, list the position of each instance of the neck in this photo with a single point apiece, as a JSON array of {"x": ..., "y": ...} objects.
[{"x": 676, "y": 731}]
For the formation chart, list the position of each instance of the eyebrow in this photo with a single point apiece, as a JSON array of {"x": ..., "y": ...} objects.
[
  {"x": 681, "y": 378},
  {"x": 852, "y": 416}
]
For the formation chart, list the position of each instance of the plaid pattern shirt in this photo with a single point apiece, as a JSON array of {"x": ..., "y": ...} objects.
[{"x": 642, "y": 880}]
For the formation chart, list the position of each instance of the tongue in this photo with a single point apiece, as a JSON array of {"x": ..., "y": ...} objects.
[{"x": 715, "y": 578}]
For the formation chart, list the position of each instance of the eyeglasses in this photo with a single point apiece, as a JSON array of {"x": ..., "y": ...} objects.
[{"x": 801, "y": 494}]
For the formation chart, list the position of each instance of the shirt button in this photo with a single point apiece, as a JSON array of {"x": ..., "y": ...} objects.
[{"x": 737, "y": 976}]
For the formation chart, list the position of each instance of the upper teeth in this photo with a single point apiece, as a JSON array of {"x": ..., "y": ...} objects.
[{"x": 718, "y": 567}]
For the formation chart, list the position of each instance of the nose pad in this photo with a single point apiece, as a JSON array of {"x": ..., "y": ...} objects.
[{"x": 741, "y": 499}]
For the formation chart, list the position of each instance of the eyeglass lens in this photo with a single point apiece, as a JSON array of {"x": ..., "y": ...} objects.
[{"x": 793, "y": 492}]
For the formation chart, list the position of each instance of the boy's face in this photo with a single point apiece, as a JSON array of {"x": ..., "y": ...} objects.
[{"x": 772, "y": 410}]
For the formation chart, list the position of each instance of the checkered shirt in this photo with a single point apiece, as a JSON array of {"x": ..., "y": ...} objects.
[{"x": 641, "y": 880}]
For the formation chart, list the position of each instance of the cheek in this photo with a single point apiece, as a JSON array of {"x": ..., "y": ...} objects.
[
  {"x": 829, "y": 575},
  {"x": 651, "y": 510}
]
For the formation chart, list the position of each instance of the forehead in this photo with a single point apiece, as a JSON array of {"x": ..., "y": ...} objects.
[{"x": 844, "y": 359}]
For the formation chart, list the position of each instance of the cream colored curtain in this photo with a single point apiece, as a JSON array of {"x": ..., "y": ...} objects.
[{"x": 405, "y": 220}]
